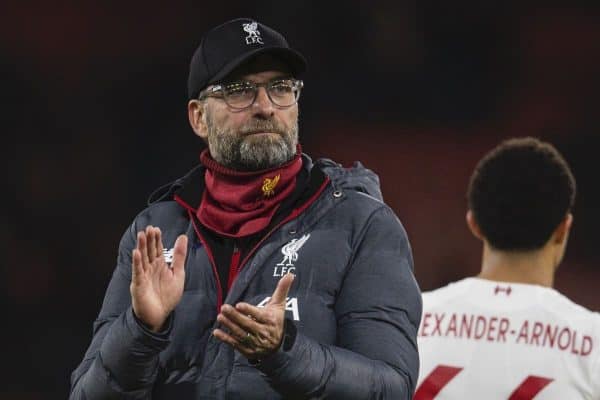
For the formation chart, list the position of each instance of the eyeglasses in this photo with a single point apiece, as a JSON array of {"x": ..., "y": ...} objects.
[{"x": 241, "y": 95}]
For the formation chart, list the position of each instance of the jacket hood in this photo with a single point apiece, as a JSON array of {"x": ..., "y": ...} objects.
[{"x": 356, "y": 177}]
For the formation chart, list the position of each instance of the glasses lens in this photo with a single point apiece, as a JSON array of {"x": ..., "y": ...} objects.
[
  {"x": 239, "y": 94},
  {"x": 284, "y": 92}
]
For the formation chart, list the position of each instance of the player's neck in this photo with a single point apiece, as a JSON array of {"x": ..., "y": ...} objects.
[{"x": 533, "y": 267}]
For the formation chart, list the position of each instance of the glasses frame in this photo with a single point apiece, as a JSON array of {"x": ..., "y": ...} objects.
[{"x": 218, "y": 91}]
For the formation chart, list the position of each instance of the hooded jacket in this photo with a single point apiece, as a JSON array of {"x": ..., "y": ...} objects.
[{"x": 353, "y": 310}]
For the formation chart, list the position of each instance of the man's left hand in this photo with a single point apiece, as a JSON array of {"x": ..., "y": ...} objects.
[{"x": 254, "y": 331}]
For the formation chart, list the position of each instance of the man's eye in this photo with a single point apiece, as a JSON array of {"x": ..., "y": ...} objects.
[
  {"x": 238, "y": 90},
  {"x": 281, "y": 88}
]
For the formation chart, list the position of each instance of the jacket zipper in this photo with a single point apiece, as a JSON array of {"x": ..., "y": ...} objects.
[{"x": 233, "y": 266}]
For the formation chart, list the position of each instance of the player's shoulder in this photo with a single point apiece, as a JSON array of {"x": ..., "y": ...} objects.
[
  {"x": 563, "y": 305},
  {"x": 445, "y": 294}
]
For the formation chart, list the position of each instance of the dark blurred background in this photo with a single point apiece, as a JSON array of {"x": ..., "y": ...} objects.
[{"x": 94, "y": 118}]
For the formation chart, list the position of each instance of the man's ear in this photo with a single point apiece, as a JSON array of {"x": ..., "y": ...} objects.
[
  {"x": 473, "y": 226},
  {"x": 561, "y": 233},
  {"x": 196, "y": 110}
]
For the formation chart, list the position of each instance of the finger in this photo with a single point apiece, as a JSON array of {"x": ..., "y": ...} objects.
[
  {"x": 234, "y": 329},
  {"x": 249, "y": 310},
  {"x": 179, "y": 253},
  {"x": 281, "y": 291},
  {"x": 230, "y": 340},
  {"x": 151, "y": 242},
  {"x": 159, "y": 245},
  {"x": 142, "y": 247},
  {"x": 224, "y": 337},
  {"x": 136, "y": 266},
  {"x": 242, "y": 320}
]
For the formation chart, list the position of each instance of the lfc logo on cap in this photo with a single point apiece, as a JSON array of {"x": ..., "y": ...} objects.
[
  {"x": 268, "y": 187},
  {"x": 253, "y": 33}
]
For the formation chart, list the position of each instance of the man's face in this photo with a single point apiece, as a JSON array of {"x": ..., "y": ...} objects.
[{"x": 261, "y": 136}]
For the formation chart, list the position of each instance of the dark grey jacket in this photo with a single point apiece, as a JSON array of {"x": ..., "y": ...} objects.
[{"x": 355, "y": 305}]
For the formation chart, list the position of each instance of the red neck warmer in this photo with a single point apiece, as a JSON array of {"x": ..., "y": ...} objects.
[{"x": 237, "y": 204}]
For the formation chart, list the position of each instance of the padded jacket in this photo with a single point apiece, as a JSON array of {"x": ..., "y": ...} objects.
[{"x": 354, "y": 307}]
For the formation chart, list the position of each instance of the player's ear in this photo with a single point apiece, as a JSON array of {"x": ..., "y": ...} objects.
[
  {"x": 472, "y": 224},
  {"x": 561, "y": 233},
  {"x": 197, "y": 118}
]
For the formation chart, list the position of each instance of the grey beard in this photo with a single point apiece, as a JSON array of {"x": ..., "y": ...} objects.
[{"x": 240, "y": 152}]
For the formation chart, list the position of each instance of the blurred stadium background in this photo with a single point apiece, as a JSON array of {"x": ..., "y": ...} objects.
[{"x": 94, "y": 118}]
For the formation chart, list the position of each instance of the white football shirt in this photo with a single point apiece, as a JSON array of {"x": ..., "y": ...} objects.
[{"x": 481, "y": 339}]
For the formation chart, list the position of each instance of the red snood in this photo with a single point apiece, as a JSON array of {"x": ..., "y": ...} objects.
[{"x": 237, "y": 204}]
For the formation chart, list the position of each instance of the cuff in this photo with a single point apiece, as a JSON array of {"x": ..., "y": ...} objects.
[
  {"x": 284, "y": 354},
  {"x": 165, "y": 331},
  {"x": 130, "y": 352}
]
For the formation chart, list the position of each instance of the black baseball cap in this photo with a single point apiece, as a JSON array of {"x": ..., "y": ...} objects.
[{"x": 229, "y": 45}]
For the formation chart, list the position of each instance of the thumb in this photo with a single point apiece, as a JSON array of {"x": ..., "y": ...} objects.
[
  {"x": 281, "y": 291},
  {"x": 179, "y": 253}
]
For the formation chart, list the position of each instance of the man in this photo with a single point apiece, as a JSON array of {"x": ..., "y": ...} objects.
[
  {"x": 506, "y": 334},
  {"x": 259, "y": 274}
]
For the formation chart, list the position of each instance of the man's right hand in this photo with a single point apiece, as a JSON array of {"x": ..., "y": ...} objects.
[{"x": 156, "y": 288}]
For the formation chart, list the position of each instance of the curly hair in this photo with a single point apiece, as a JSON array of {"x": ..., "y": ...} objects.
[{"x": 520, "y": 192}]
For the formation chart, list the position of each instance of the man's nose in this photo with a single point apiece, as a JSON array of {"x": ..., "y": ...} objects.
[{"x": 263, "y": 104}]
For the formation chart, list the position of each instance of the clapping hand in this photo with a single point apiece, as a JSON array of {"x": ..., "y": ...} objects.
[
  {"x": 156, "y": 288},
  {"x": 255, "y": 331}
]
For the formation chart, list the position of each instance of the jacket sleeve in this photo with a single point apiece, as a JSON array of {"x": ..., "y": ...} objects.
[
  {"x": 378, "y": 311},
  {"x": 122, "y": 360}
]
